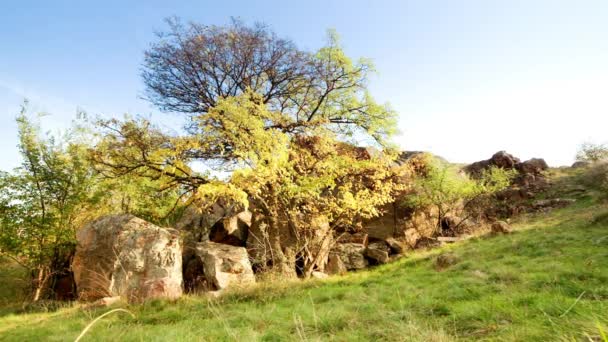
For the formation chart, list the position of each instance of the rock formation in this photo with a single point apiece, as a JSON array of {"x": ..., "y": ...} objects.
[
  {"x": 122, "y": 255},
  {"x": 225, "y": 265}
]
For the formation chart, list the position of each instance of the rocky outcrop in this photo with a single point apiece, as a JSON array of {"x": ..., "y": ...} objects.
[
  {"x": 533, "y": 166},
  {"x": 233, "y": 230},
  {"x": 225, "y": 265},
  {"x": 378, "y": 252},
  {"x": 528, "y": 182},
  {"x": 580, "y": 164},
  {"x": 500, "y": 159},
  {"x": 335, "y": 265},
  {"x": 504, "y": 160},
  {"x": 125, "y": 256},
  {"x": 500, "y": 227},
  {"x": 553, "y": 203},
  {"x": 351, "y": 254},
  {"x": 396, "y": 246}
]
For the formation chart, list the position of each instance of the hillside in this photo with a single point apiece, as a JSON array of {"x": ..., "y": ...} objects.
[{"x": 546, "y": 281}]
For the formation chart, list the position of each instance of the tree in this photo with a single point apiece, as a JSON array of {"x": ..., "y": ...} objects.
[
  {"x": 590, "y": 152},
  {"x": 56, "y": 191},
  {"x": 448, "y": 189},
  {"x": 269, "y": 114},
  {"x": 288, "y": 179},
  {"x": 43, "y": 201},
  {"x": 191, "y": 67}
]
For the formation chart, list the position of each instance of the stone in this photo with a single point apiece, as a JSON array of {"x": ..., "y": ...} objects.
[
  {"x": 378, "y": 251},
  {"x": 319, "y": 275},
  {"x": 194, "y": 275},
  {"x": 533, "y": 166},
  {"x": 552, "y": 203},
  {"x": 448, "y": 239},
  {"x": 232, "y": 230},
  {"x": 352, "y": 255},
  {"x": 107, "y": 301},
  {"x": 411, "y": 237},
  {"x": 335, "y": 265},
  {"x": 358, "y": 237},
  {"x": 512, "y": 194},
  {"x": 504, "y": 160},
  {"x": 122, "y": 255},
  {"x": 225, "y": 265},
  {"x": 445, "y": 260},
  {"x": 580, "y": 164},
  {"x": 395, "y": 245},
  {"x": 501, "y": 227},
  {"x": 382, "y": 226}
]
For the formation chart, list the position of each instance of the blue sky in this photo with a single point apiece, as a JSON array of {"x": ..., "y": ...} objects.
[{"x": 467, "y": 77}]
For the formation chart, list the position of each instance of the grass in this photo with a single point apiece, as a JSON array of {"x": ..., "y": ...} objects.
[{"x": 548, "y": 281}]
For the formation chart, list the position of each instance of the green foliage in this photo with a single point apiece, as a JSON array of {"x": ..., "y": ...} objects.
[
  {"x": 45, "y": 200},
  {"x": 591, "y": 152}
]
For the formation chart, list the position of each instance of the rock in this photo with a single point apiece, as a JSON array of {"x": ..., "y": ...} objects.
[
  {"x": 512, "y": 194},
  {"x": 225, "y": 265},
  {"x": 378, "y": 256},
  {"x": 232, "y": 230},
  {"x": 448, "y": 239},
  {"x": 335, "y": 265},
  {"x": 504, "y": 160},
  {"x": 552, "y": 203},
  {"x": 352, "y": 255},
  {"x": 395, "y": 245},
  {"x": 411, "y": 237},
  {"x": 198, "y": 221},
  {"x": 319, "y": 275},
  {"x": 480, "y": 274},
  {"x": 580, "y": 164},
  {"x": 194, "y": 275},
  {"x": 107, "y": 301},
  {"x": 382, "y": 226},
  {"x": 500, "y": 159},
  {"x": 501, "y": 227},
  {"x": 122, "y": 255},
  {"x": 359, "y": 237},
  {"x": 378, "y": 252},
  {"x": 445, "y": 260},
  {"x": 533, "y": 166}
]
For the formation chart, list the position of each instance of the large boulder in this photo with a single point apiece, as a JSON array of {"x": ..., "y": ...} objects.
[
  {"x": 335, "y": 265},
  {"x": 225, "y": 265},
  {"x": 378, "y": 252},
  {"x": 351, "y": 254},
  {"x": 232, "y": 230},
  {"x": 533, "y": 166},
  {"x": 501, "y": 227},
  {"x": 504, "y": 160},
  {"x": 396, "y": 246},
  {"x": 500, "y": 159},
  {"x": 122, "y": 255}
]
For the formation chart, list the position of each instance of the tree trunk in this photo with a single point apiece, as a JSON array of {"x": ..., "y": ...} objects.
[
  {"x": 39, "y": 283},
  {"x": 281, "y": 262}
]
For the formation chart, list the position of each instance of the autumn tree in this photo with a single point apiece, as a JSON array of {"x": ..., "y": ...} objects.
[{"x": 272, "y": 116}]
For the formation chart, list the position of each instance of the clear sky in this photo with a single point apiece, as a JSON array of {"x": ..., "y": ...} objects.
[{"x": 468, "y": 78}]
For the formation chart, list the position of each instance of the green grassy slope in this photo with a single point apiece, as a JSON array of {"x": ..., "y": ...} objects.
[{"x": 547, "y": 281}]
